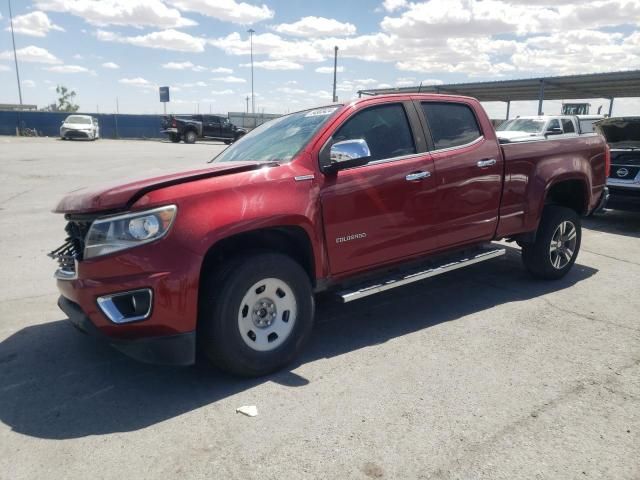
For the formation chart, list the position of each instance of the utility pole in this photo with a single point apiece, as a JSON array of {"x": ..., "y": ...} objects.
[
  {"x": 251, "y": 31},
  {"x": 15, "y": 55},
  {"x": 247, "y": 100},
  {"x": 335, "y": 72}
]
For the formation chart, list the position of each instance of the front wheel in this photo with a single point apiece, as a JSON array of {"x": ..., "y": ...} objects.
[
  {"x": 557, "y": 244},
  {"x": 256, "y": 314}
]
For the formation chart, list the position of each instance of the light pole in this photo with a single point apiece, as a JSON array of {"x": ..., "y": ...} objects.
[
  {"x": 251, "y": 31},
  {"x": 15, "y": 56},
  {"x": 335, "y": 72}
]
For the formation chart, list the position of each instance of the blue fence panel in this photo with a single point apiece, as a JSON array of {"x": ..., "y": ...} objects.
[{"x": 111, "y": 125}]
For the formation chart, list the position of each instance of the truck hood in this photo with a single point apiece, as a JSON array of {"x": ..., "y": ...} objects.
[
  {"x": 121, "y": 195},
  {"x": 621, "y": 132},
  {"x": 77, "y": 126}
]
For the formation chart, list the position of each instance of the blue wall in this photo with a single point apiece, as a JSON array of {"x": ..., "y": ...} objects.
[{"x": 111, "y": 126}]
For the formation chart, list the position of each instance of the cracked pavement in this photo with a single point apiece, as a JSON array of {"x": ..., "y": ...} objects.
[{"x": 483, "y": 373}]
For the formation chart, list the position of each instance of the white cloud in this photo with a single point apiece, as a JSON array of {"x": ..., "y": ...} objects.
[
  {"x": 221, "y": 92},
  {"x": 272, "y": 45},
  {"x": 166, "y": 39},
  {"x": 291, "y": 91},
  {"x": 340, "y": 69},
  {"x": 221, "y": 70},
  {"x": 68, "y": 69},
  {"x": 111, "y": 65},
  {"x": 134, "y": 13},
  {"x": 226, "y": 10},
  {"x": 28, "y": 83},
  {"x": 138, "y": 82},
  {"x": 36, "y": 24},
  {"x": 229, "y": 79},
  {"x": 4, "y": 68},
  {"x": 275, "y": 65},
  {"x": 184, "y": 66},
  {"x": 316, "y": 27},
  {"x": 31, "y": 54},
  {"x": 193, "y": 84},
  {"x": 392, "y": 5}
]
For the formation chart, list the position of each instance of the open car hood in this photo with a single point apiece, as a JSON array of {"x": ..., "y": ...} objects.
[
  {"x": 121, "y": 195},
  {"x": 620, "y": 132}
]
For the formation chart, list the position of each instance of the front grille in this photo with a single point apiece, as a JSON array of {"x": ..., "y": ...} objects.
[
  {"x": 72, "y": 249},
  {"x": 624, "y": 172}
]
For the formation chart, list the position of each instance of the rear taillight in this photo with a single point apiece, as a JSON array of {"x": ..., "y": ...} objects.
[
  {"x": 173, "y": 123},
  {"x": 607, "y": 160}
]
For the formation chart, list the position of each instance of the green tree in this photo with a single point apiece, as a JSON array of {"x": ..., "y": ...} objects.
[{"x": 65, "y": 100}]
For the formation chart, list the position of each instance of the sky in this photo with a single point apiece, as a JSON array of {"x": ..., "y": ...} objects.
[{"x": 121, "y": 51}]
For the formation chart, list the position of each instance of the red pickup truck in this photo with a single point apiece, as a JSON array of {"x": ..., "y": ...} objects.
[{"x": 356, "y": 199}]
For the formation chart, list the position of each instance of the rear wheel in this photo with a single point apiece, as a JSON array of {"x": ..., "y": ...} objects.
[
  {"x": 190, "y": 137},
  {"x": 256, "y": 314},
  {"x": 557, "y": 244}
]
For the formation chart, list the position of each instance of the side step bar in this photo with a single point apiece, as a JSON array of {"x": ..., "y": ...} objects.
[{"x": 420, "y": 273}]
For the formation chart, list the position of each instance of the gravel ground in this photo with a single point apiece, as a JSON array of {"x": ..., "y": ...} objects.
[{"x": 483, "y": 373}]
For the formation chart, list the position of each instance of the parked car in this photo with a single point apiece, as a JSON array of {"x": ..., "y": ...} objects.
[
  {"x": 538, "y": 128},
  {"x": 586, "y": 123},
  {"x": 80, "y": 126},
  {"x": 190, "y": 128},
  {"x": 350, "y": 199},
  {"x": 623, "y": 136}
]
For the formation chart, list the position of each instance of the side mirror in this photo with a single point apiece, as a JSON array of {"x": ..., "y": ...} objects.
[
  {"x": 554, "y": 131},
  {"x": 346, "y": 154}
]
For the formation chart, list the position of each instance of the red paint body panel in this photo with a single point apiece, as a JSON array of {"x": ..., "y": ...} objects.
[{"x": 458, "y": 204}]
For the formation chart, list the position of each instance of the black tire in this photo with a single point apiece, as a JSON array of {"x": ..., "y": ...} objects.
[
  {"x": 537, "y": 256},
  {"x": 190, "y": 136},
  {"x": 174, "y": 137},
  {"x": 221, "y": 306},
  {"x": 227, "y": 142}
]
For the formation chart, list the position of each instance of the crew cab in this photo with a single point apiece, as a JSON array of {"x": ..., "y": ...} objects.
[
  {"x": 623, "y": 137},
  {"x": 190, "y": 128},
  {"x": 350, "y": 199},
  {"x": 538, "y": 128}
]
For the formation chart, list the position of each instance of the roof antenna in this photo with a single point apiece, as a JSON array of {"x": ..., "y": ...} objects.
[{"x": 420, "y": 87}]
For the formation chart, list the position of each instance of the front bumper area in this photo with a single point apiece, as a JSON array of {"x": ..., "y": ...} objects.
[
  {"x": 75, "y": 134},
  {"x": 177, "y": 349}
]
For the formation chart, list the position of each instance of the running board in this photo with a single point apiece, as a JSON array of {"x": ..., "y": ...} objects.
[{"x": 420, "y": 273}]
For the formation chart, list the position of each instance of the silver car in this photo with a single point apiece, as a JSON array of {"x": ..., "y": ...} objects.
[{"x": 80, "y": 126}]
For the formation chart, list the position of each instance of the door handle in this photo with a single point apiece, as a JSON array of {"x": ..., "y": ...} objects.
[
  {"x": 417, "y": 176},
  {"x": 486, "y": 163}
]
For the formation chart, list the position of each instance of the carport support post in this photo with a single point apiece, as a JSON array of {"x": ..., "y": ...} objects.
[
  {"x": 540, "y": 97},
  {"x": 508, "y": 108},
  {"x": 610, "y": 106}
]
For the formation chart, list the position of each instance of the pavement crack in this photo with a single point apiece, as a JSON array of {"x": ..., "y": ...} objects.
[{"x": 611, "y": 257}]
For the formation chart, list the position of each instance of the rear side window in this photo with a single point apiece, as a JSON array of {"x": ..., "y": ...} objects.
[
  {"x": 567, "y": 126},
  {"x": 385, "y": 129},
  {"x": 555, "y": 123},
  {"x": 451, "y": 124}
]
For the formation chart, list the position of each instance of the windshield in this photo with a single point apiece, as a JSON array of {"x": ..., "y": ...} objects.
[
  {"x": 78, "y": 119},
  {"x": 522, "y": 125},
  {"x": 278, "y": 140}
]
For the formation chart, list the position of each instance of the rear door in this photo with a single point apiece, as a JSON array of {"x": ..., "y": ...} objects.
[
  {"x": 468, "y": 172},
  {"x": 384, "y": 210}
]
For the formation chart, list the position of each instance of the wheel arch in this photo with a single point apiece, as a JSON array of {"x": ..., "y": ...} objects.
[{"x": 571, "y": 192}]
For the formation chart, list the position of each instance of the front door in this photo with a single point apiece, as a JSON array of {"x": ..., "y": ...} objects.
[
  {"x": 385, "y": 210},
  {"x": 211, "y": 126}
]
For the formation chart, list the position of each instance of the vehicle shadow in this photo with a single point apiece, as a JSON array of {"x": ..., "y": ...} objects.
[
  {"x": 619, "y": 222},
  {"x": 57, "y": 384}
]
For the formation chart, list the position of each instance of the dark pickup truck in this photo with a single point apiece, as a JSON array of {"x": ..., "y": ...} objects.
[
  {"x": 189, "y": 128},
  {"x": 351, "y": 200}
]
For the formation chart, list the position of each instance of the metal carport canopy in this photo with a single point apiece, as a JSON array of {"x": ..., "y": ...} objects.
[{"x": 592, "y": 85}]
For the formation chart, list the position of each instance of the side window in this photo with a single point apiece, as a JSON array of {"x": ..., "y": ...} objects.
[
  {"x": 555, "y": 123},
  {"x": 385, "y": 129},
  {"x": 451, "y": 124},
  {"x": 567, "y": 125}
]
